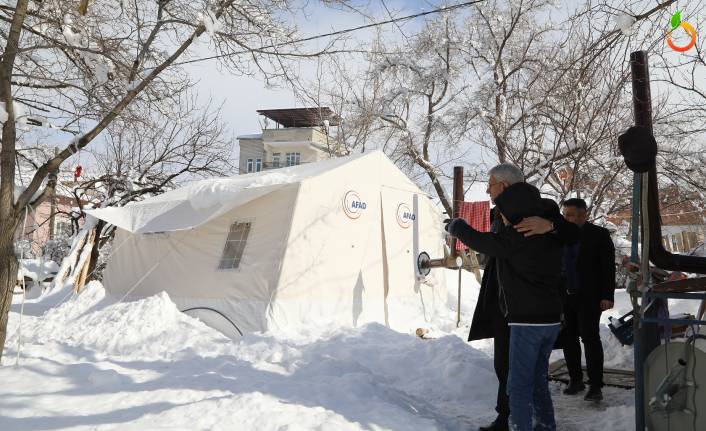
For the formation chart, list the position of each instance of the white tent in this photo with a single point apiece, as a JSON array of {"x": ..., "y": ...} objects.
[{"x": 330, "y": 242}]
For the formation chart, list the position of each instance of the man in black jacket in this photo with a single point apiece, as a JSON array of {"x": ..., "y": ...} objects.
[
  {"x": 488, "y": 321},
  {"x": 590, "y": 284},
  {"x": 529, "y": 281}
]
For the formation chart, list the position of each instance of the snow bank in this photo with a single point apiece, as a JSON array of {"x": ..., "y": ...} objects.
[
  {"x": 144, "y": 365},
  {"x": 149, "y": 329}
]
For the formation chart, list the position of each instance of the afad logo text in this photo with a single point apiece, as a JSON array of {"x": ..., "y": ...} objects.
[
  {"x": 405, "y": 216},
  {"x": 676, "y": 23},
  {"x": 353, "y": 205}
]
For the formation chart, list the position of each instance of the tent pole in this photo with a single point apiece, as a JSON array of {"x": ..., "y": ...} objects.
[{"x": 458, "y": 306}]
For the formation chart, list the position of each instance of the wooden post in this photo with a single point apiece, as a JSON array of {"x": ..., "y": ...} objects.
[
  {"x": 456, "y": 205},
  {"x": 457, "y": 199}
]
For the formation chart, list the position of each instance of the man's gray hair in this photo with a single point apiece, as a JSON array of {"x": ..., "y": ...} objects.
[{"x": 508, "y": 173}]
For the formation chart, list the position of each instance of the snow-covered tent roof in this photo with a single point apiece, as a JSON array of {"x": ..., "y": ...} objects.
[{"x": 200, "y": 201}]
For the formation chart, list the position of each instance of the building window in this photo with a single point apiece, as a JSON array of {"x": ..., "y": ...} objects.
[
  {"x": 258, "y": 165},
  {"x": 293, "y": 159},
  {"x": 249, "y": 166},
  {"x": 235, "y": 245},
  {"x": 275, "y": 160},
  {"x": 691, "y": 240},
  {"x": 62, "y": 229}
]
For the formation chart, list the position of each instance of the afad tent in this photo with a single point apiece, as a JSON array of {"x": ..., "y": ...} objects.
[{"x": 332, "y": 242}]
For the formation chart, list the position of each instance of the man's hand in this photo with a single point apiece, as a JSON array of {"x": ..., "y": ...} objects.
[
  {"x": 453, "y": 224},
  {"x": 606, "y": 305},
  {"x": 534, "y": 226}
]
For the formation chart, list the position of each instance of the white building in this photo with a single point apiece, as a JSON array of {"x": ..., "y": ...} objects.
[{"x": 298, "y": 135}]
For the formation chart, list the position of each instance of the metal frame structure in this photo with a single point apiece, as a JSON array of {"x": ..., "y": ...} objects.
[{"x": 646, "y": 208}]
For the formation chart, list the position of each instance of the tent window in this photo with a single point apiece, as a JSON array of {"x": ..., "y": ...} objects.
[{"x": 235, "y": 245}]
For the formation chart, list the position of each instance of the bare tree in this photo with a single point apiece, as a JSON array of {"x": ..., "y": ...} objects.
[
  {"x": 80, "y": 70},
  {"x": 508, "y": 81},
  {"x": 147, "y": 158}
]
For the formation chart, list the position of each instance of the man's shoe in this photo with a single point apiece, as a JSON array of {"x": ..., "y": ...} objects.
[
  {"x": 497, "y": 425},
  {"x": 574, "y": 388},
  {"x": 594, "y": 394}
]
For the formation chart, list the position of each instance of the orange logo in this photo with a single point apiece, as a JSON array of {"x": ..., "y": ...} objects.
[{"x": 676, "y": 23}]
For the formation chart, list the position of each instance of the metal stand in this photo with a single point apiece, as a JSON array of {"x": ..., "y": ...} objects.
[{"x": 645, "y": 199}]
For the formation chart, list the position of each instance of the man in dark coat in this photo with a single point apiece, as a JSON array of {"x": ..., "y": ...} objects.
[
  {"x": 590, "y": 284},
  {"x": 488, "y": 320},
  {"x": 529, "y": 281}
]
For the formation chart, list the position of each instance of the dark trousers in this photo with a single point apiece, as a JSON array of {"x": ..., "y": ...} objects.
[
  {"x": 582, "y": 319},
  {"x": 501, "y": 361}
]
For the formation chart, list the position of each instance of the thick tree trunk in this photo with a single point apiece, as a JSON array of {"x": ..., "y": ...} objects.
[
  {"x": 8, "y": 210},
  {"x": 8, "y": 277}
]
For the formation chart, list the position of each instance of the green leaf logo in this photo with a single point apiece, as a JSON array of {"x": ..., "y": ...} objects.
[{"x": 676, "y": 19}]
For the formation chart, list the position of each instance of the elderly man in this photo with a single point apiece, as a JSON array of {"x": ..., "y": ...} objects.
[{"x": 488, "y": 320}]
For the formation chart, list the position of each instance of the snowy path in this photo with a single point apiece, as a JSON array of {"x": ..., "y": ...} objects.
[{"x": 89, "y": 364}]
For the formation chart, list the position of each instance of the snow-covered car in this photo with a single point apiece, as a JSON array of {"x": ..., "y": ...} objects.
[{"x": 36, "y": 271}]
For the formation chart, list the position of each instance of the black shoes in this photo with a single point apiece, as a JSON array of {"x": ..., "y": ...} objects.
[
  {"x": 594, "y": 391},
  {"x": 498, "y": 424},
  {"x": 594, "y": 394},
  {"x": 574, "y": 388}
]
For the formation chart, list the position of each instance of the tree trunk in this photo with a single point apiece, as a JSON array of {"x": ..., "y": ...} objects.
[
  {"x": 8, "y": 277},
  {"x": 70, "y": 261},
  {"x": 95, "y": 252},
  {"x": 8, "y": 210},
  {"x": 81, "y": 269}
]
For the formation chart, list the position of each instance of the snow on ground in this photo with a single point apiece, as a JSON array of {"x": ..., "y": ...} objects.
[{"x": 92, "y": 363}]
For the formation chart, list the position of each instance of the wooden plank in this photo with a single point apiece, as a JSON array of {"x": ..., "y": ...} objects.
[
  {"x": 686, "y": 285},
  {"x": 611, "y": 376}
]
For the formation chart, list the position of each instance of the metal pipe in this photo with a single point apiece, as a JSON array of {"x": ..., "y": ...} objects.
[
  {"x": 674, "y": 321},
  {"x": 642, "y": 105},
  {"x": 642, "y": 109},
  {"x": 425, "y": 263},
  {"x": 675, "y": 295}
]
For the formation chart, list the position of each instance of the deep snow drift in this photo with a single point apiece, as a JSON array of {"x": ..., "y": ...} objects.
[{"x": 91, "y": 363}]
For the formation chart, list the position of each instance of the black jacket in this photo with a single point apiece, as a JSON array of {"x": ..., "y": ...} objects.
[
  {"x": 528, "y": 268},
  {"x": 596, "y": 265},
  {"x": 487, "y": 308}
]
